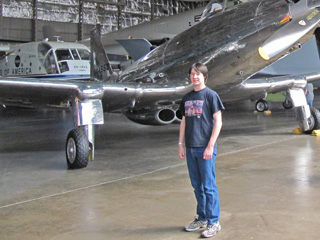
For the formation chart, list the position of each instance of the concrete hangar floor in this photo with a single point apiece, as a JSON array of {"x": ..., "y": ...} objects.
[{"x": 138, "y": 188}]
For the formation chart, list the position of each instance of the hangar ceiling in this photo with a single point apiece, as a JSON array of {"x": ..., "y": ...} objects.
[{"x": 72, "y": 20}]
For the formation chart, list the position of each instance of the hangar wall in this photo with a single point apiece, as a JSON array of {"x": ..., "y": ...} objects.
[{"x": 71, "y": 20}]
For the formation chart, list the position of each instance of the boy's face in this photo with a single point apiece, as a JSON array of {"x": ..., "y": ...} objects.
[{"x": 197, "y": 78}]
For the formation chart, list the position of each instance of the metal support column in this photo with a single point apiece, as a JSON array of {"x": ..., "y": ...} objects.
[
  {"x": 91, "y": 137},
  {"x": 1, "y": 28},
  {"x": 35, "y": 21},
  {"x": 119, "y": 14},
  {"x": 80, "y": 23},
  {"x": 152, "y": 9}
]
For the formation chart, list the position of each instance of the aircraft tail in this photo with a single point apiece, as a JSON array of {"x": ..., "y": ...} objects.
[
  {"x": 136, "y": 48},
  {"x": 100, "y": 68}
]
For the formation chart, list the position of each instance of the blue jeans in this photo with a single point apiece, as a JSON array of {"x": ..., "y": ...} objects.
[
  {"x": 203, "y": 181},
  {"x": 310, "y": 102}
]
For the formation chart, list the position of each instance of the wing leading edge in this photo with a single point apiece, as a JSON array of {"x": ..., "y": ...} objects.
[
  {"x": 258, "y": 88},
  {"x": 43, "y": 91}
]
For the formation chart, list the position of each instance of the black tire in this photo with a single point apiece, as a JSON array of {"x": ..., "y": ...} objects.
[
  {"x": 314, "y": 119},
  {"x": 287, "y": 104},
  {"x": 77, "y": 149},
  {"x": 261, "y": 106}
]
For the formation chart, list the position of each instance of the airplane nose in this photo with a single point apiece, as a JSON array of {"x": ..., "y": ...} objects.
[{"x": 290, "y": 33}]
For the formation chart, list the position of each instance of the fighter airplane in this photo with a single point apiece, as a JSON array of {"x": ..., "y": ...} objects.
[{"x": 235, "y": 44}]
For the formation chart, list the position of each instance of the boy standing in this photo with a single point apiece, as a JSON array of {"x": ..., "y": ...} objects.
[{"x": 200, "y": 127}]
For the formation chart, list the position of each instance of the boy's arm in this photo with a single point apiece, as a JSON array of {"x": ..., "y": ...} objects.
[
  {"x": 214, "y": 135},
  {"x": 181, "y": 150}
]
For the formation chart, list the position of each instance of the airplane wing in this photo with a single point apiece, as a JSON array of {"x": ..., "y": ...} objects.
[
  {"x": 260, "y": 87},
  {"x": 43, "y": 91}
]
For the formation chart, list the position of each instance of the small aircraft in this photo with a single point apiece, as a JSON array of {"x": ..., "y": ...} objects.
[
  {"x": 235, "y": 43},
  {"x": 45, "y": 60}
]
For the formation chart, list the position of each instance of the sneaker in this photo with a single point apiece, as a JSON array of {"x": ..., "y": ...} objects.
[
  {"x": 195, "y": 225},
  {"x": 211, "y": 230}
]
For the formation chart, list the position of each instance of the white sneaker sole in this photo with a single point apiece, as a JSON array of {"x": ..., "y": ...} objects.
[{"x": 211, "y": 235}]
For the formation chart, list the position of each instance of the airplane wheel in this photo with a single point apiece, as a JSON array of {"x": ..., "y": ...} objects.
[
  {"x": 287, "y": 104},
  {"x": 261, "y": 106},
  {"x": 77, "y": 149},
  {"x": 314, "y": 119}
]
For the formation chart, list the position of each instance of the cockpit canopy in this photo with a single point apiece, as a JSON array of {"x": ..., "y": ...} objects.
[{"x": 215, "y": 6}]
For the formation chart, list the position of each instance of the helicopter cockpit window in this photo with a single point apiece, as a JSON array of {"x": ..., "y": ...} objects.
[
  {"x": 63, "y": 54},
  {"x": 50, "y": 63},
  {"x": 43, "y": 49},
  {"x": 75, "y": 54},
  {"x": 84, "y": 54}
]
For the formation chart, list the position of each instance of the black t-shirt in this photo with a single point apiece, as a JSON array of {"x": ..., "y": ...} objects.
[{"x": 198, "y": 108}]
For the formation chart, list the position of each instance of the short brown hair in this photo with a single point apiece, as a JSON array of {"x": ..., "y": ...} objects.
[{"x": 199, "y": 67}]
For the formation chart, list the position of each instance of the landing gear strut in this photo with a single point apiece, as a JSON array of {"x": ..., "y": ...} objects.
[
  {"x": 314, "y": 120},
  {"x": 80, "y": 141},
  {"x": 308, "y": 118}
]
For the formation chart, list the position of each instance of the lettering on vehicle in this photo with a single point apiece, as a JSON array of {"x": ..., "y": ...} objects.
[
  {"x": 16, "y": 71},
  {"x": 313, "y": 14},
  {"x": 21, "y": 71},
  {"x": 4, "y": 72},
  {"x": 83, "y": 67}
]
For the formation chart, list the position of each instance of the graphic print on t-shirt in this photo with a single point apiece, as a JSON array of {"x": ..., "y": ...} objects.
[{"x": 193, "y": 108}]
